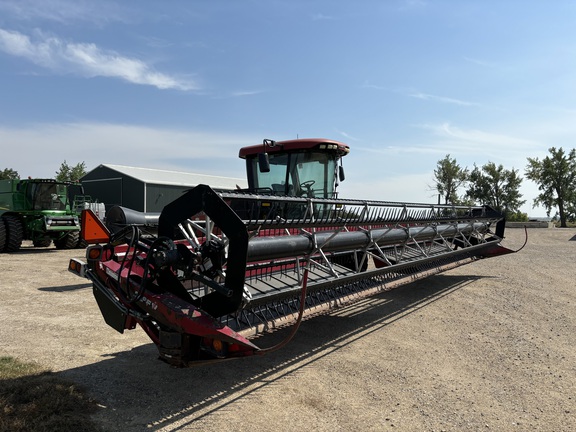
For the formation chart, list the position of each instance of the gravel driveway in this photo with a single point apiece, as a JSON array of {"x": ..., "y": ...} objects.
[{"x": 488, "y": 346}]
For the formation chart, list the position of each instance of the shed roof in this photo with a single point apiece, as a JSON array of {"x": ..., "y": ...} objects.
[{"x": 156, "y": 176}]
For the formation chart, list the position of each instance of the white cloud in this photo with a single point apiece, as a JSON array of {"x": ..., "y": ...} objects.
[
  {"x": 443, "y": 99},
  {"x": 241, "y": 93},
  {"x": 402, "y": 170},
  {"x": 478, "y": 62},
  {"x": 64, "y": 11},
  {"x": 346, "y": 135},
  {"x": 87, "y": 60},
  {"x": 371, "y": 178},
  {"x": 368, "y": 85},
  {"x": 43, "y": 147},
  {"x": 420, "y": 95},
  {"x": 322, "y": 17},
  {"x": 397, "y": 188},
  {"x": 446, "y": 130}
]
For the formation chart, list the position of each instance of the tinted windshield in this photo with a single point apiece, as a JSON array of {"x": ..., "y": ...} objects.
[
  {"x": 305, "y": 174},
  {"x": 48, "y": 196}
]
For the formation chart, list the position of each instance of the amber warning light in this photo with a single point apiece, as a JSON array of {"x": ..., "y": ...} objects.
[{"x": 92, "y": 229}]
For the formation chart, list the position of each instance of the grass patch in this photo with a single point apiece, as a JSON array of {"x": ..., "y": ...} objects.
[{"x": 33, "y": 399}]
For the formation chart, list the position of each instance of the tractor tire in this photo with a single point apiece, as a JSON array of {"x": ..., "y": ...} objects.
[
  {"x": 45, "y": 242},
  {"x": 14, "y": 233},
  {"x": 2, "y": 235},
  {"x": 69, "y": 241},
  {"x": 82, "y": 244}
]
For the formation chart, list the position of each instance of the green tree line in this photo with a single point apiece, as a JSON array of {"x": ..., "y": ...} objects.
[
  {"x": 499, "y": 188},
  {"x": 65, "y": 173}
]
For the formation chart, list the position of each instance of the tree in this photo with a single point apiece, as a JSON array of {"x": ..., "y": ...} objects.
[
  {"x": 449, "y": 176},
  {"x": 9, "y": 174},
  {"x": 517, "y": 217},
  {"x": 497, "y": 187},
  {"x": 68, "y": 173},
  {"x": 556, "y": 179}
]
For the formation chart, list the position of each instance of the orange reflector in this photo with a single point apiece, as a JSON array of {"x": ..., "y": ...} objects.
[
  {"x": 76, "y": 267},
  {"x": 217, "y": 344},
  {"x": 94, "y": 252},
  {"x": 92, "y": 229}
]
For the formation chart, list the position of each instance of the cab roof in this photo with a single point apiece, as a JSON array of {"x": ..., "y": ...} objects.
[{"x": 269, "y": 146}]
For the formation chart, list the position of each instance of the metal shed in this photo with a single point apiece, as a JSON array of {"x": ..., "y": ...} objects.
[{"x": 147, "y": 189}]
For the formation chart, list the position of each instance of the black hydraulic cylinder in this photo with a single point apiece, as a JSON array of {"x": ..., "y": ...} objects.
[{"x": 118, "y": 217}]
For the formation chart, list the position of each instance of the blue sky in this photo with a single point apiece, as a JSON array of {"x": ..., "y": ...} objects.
[{"x": 183, "y": 85}]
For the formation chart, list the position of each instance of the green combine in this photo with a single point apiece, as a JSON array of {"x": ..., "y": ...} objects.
[{"x": 40, "y": 210}]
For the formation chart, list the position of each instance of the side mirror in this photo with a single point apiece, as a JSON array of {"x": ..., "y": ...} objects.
[
  {"x": 341, "y": 175},
  {"x": 263, "y": 162}
]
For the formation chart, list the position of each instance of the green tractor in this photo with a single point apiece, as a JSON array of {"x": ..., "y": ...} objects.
[{"x": 40, "y": 210}]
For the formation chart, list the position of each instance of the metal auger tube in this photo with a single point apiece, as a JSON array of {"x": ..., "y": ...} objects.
[{"x": 262, "y": 248}]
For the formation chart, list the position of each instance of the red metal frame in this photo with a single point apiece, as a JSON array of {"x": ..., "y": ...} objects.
[{"x": 292, "y": 145}]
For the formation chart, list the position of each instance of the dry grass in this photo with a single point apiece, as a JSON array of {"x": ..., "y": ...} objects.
[{"x": 33, "y": 399}]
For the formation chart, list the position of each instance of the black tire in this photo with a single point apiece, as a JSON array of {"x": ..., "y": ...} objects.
[
  {"x": 69, "y": 241},
  {"x": 82, "y": 244},
  {"x": 14, "y": 233},
  {"x": 44, "y": 242},
  {"x": 2, "y": 234}
]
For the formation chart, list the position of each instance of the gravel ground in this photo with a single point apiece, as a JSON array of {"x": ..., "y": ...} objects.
[{"x": 487, "y": 346}]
